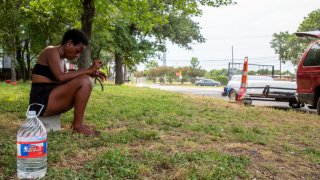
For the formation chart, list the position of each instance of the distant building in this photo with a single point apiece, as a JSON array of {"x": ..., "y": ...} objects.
[{"x": 6, "y": 62}]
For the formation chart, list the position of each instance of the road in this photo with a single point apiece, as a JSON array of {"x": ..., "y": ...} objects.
[
  {"x": 196, "y": 90},
  {"x": 216, "y": 92}
]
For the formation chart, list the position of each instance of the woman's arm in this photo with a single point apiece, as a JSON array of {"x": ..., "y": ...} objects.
[{"x": 53, "y": 60}]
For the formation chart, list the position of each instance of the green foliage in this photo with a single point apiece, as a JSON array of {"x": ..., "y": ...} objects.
[
  {"x": 222, "y": 79},
  {"x": 152, "y": 64},
  {"x": 46, "y": 21},
  {"x": 290, "y": 47},
  {"x": 195, "y": 69},
  {"x": 195, "y": 63},
  {"x": 180, "y": 29},
  {"x": 311, "y": 22},
  {"x": 188, "y": 73},
  {"x": 218, "y": 75},
  {"x": 134, "y": 29}
]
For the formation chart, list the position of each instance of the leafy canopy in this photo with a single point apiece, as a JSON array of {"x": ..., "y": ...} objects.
[{"x": 290, "y": 47}]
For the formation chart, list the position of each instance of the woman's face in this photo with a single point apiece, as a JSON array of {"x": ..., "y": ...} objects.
[{"x": 72, "y": 52}]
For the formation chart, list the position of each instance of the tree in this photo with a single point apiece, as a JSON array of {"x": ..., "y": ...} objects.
[
  {"x": 86, "y": 27},
  {"x": 128, "y": 31},
  {"x": 195, "y": 68},
  {"x": 217, "y": 72},
  {"x": 158, "y": 19},
  {"x": 42, "y": 23},
  {"x": 195, "y": 63},
  {"x": 9, "y": 21},
  {"x": 278, "y": 44},
  {"x": 288, "y": 46},
  {"x": 220, "y": 75},
  {"x": 152, "y": 64}
]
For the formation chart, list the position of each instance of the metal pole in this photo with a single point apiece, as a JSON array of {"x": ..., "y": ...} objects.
[
  {"x": 165, "y": 61},
  {"x": 228, "y": 71},
  {"x": 232, "y": 59},
  {"x": 280, "y": 65}
]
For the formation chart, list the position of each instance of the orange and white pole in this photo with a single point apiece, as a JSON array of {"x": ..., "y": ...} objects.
[{"x": 244, "y": 81}]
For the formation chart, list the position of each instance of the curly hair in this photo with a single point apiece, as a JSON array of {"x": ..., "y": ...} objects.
[{"x": 76, "y": 36}]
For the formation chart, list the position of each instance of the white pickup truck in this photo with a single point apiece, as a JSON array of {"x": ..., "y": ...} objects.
[{"x": 263, "y": 88}]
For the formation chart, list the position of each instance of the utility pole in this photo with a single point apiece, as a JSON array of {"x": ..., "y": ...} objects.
[
  {"x": 280, "y": 67},
  {"x": 232, "y": 56},
  {"x": 280, "y": 61},
  {"x": 231, "y": 63},
  {"x": 164, "y": 58}
]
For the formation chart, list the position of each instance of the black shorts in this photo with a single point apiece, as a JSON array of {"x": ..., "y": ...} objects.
[{"x": 40, "y": 94}]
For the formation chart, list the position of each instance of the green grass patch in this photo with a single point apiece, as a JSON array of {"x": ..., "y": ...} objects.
[
  {"x": 198, "y": 165},
  {"x": 314, "y": 154},
  {"x": 113, "y": 164},
  {"x": 152, "y": 134}
]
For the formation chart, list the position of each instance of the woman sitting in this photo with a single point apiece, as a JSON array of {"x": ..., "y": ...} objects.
[{"x": 59, "y": 90}]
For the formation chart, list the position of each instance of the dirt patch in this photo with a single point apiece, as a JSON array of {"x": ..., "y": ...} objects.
[
  {"x": 273, "y": 164},
  {"x": 80, "y": 159}
]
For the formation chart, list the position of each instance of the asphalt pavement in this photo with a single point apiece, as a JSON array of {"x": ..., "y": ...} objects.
[{"x": 216, "y": 92}]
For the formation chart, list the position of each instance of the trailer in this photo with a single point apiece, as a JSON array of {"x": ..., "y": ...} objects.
[
  {"x": 263, "y": 88},
  {"x": 269, "y": 93}
]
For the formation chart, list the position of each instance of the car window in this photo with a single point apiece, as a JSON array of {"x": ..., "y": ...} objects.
[{"x": 313, "y": 56}]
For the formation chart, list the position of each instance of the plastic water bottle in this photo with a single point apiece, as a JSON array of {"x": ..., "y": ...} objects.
[{"x": 32, "y": 147}]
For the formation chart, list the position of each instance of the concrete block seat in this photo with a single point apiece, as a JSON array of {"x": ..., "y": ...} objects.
[{"x": 51, "y": 123}]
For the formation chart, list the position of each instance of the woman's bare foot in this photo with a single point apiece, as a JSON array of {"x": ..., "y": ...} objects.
[{"x": 85, "y": 131}]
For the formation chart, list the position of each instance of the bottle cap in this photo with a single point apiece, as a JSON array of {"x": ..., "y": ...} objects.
[{"x": 31, "y": 114}]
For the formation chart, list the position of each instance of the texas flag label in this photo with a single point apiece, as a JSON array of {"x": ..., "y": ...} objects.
[{"x": 31, "y": 149}]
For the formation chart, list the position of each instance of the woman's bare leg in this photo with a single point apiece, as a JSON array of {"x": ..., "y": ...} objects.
[
  {"x": 74, "y": 93},
  {"x": 80, "y": 103}
]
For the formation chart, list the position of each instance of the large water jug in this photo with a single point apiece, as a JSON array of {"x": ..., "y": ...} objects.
[{"x": 32, "y": 147}]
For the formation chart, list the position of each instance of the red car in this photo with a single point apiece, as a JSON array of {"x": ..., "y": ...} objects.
[{"x": 308, "y": 72}]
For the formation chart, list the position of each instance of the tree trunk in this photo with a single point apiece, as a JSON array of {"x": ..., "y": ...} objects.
[
  {"x": 119, "y": 71},
  {"x": 86, "y": 27},
  {"x": 85, "y": 58},
  {"x": 20, "y": 59},
  {"x": 125, "y": 72},
  {"x": 13, "y": 68},
  {"x": 26, "y": 47}
]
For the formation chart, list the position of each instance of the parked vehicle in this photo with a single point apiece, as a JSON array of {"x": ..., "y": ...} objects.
[
  {"x": 308, "y": 72},
  {"x": 207, "y": 82},
  {"x": 233, "y": 86},
  {"x": 263, "y": 88}
]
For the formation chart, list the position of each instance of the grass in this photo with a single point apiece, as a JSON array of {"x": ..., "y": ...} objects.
[{"x": 152, "y": 134}]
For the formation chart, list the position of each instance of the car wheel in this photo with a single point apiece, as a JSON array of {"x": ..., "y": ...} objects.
[
  {"x": 295, "y": 105},
  {"x": 318, "y": 106},
  {"x": 247, "y": 101},
  {"x": 233, "y": 95}
]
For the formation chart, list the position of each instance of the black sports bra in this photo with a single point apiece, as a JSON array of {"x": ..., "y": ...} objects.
[{"x": 43, "y": 70}]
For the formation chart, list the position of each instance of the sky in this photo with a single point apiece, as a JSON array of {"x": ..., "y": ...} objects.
[{"x": 247, "y": 28}]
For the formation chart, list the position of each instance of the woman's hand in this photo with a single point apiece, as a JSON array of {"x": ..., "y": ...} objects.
[
  {"x": 96, "y": 64},
  {"x": 100, "y": 75}
]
